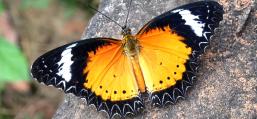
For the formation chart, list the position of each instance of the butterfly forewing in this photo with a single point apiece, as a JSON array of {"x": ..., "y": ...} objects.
[
  {"x": 195, "y": 22},
  {"x": 170, "y": 45}
]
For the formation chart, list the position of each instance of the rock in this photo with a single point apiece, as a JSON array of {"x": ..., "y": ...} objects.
[{"x": 227, "y": 78}]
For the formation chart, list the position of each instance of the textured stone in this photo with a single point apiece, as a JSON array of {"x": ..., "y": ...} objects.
[{"x": 227, "y": 78}]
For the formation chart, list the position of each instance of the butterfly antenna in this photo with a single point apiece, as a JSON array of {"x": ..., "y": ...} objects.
[
  {"x": 105, "y": 16},
  {"x": 126, "y": 21}
]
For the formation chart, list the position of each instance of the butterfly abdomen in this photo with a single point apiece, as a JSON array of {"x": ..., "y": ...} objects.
[{"x": 139, "y": 75}]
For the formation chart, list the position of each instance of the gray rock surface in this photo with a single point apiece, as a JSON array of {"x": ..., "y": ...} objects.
[{"x": 227, "y": 78}]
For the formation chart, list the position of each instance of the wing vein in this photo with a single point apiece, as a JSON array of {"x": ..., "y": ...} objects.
[{"x": 167, "y": 50}]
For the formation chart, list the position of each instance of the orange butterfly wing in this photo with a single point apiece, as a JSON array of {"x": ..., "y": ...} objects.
[
  {"x": 95, "y": 69},
  {"x": 162, "y": 60},
  {"x": 170, "y": 45},
  {"x": 110, "y": 74}
]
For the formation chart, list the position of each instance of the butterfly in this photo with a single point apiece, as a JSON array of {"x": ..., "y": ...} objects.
[{"x": 113, "y": 74}]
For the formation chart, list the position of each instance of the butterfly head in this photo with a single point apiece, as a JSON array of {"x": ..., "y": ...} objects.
[{"x": 125, "y": 31}]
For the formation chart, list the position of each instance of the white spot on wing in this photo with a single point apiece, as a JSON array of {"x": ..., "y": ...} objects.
[
  {"x": 192, "y": 21},
  {"x": 175, "y": 11},
  {"x": 66, "y": 62}
]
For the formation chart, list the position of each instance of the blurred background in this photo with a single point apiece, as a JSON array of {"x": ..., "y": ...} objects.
[{"x": 29, "y": 28}]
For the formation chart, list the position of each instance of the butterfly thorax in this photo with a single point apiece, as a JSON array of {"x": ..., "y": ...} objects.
[{"x": 130, "y": 43}]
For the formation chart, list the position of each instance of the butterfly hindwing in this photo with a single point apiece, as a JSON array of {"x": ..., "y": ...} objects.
[
  {"x": 94, "y": 69},
  {"x": 170, "y": 45}
]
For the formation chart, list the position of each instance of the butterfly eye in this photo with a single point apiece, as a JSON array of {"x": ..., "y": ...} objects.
[{"x": 126, "y": 31}]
